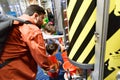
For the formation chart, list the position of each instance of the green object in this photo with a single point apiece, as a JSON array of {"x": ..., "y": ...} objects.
[{"x": 45, "y": 21}]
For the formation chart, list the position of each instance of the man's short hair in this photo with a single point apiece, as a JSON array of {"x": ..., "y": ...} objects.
[{"x": 30, "y": 10}]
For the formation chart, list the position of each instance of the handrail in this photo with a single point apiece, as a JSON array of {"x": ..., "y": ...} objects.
[{"x": 82, "y": 65}]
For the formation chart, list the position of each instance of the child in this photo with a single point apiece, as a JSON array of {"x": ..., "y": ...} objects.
[{"x": 52, "y": 49}]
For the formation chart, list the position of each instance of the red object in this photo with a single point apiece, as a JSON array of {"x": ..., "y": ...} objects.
[
  {"x": 64, "y": 56},
  {"x": 67, "y": 66},
  {"x": 53, "y": 75},
  {"x": 54, "y": 61},
  {"x": 60, "y": 40}
]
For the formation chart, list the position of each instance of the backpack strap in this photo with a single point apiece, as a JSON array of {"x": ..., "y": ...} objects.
[
  {"x": 6, "y": 62},
  {"x": 18, "y": 19},
  {"x": 6, "y": 25}
]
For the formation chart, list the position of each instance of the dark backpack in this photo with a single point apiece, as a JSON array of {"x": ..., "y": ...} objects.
[{"x": 6, "y": 25}]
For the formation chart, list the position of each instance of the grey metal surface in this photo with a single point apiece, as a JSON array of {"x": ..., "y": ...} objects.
[{"x": 101, "y": 30}]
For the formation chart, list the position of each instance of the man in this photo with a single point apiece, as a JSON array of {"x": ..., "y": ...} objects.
[{"x": 25, "y": 48}]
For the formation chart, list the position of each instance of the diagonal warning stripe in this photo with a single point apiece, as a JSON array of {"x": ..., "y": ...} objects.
[
  {"x": 83, "y": 35},
  {"x": 70, "y": 8},
  {"x": 114, "y": 39},
  {"x": 83, "y": 23},
  {"x": 75, "y": 11},
  {"x": 86, "y": 51},
  {"x": 68, "y": 2},
  {"x": 79, "y": 16},
  {"x": 84, "y": 44}
]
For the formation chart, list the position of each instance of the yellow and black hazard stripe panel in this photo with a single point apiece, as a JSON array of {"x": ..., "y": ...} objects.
[
  {"x": 81, "y": 30},
  {"x": 112, "y": 56},
  {"x": 82, "y": 18}
]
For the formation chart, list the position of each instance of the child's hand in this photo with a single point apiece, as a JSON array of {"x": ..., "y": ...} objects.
[
  {"x": 55, "y": 68},
  {"x": 60, "y": 63},
  {"x": 62, "y": 47}
]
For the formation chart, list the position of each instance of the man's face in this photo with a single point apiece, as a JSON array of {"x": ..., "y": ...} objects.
[{"x": 40, "y": 20}]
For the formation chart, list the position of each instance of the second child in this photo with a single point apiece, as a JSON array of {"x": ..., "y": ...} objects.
[{"x": 52, "y": 49}]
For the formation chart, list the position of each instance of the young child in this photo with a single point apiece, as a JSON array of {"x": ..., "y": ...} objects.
[
  {"x": 48, "y": 31},
  {"x": 52, "y": 49}
]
